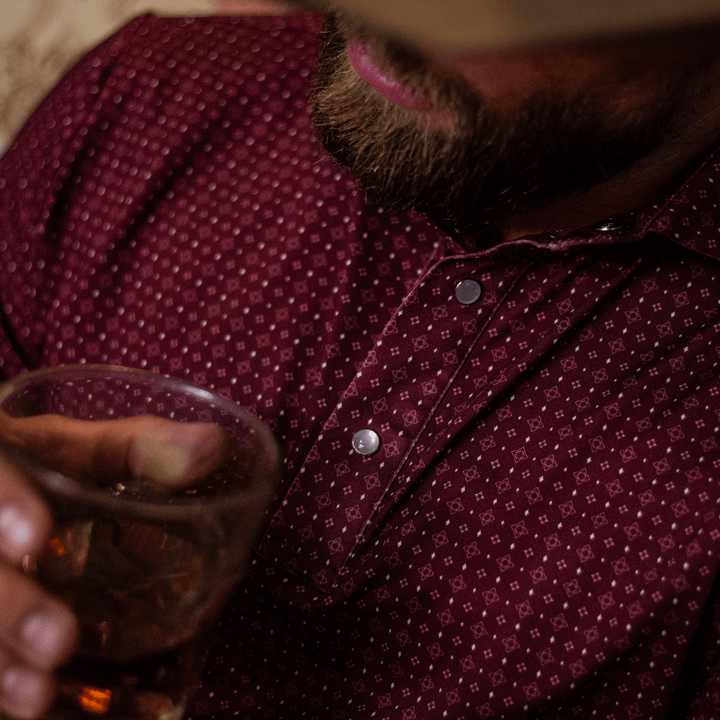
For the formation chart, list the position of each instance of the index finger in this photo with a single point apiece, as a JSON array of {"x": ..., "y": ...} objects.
[{"x": 167, "y": 453}]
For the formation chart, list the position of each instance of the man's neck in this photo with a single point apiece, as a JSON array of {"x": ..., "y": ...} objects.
[{"x": 643, "y": 184}]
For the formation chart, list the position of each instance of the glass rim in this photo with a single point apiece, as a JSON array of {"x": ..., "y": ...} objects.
[{"x": 59, "y": 486}]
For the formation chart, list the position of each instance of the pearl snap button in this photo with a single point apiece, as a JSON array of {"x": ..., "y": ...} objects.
[
  {"x": 366, "y": 442},
  {"x": 468, "y": 291}
]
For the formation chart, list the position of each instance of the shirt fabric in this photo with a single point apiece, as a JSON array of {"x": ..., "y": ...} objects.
[{"x": 537, "y": 535}]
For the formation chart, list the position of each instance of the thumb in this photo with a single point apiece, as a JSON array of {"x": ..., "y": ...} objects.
[{"x": 164, "y": 452}]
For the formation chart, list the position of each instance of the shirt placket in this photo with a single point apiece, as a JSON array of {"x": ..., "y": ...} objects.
[{"x": 371, "y": 432}]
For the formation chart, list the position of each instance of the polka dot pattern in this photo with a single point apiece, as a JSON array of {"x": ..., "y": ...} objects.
[{"x": 538, "y": 532}]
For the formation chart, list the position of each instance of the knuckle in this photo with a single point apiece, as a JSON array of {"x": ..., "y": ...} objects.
[
  {"x": 24, "y": 692},
  {"x": 25, "y": 521},
  {"x": 39, "y": 629},
  {"x": 48, "y": 635}
]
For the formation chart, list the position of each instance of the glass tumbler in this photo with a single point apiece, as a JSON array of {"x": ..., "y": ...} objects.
[{"x": 146, "y": 571}]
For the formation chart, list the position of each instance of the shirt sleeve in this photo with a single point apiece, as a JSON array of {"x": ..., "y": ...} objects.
[{"x": 36, "y": 174}]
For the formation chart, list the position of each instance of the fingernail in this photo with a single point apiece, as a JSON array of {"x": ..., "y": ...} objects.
[
  {"x": 48, "y": 634},
  {"x": 159, "y": 460},
  {"x": 25, "y": 690},
  {"x": 16, "y": 529},
  {"x": 177, "y": 455}
]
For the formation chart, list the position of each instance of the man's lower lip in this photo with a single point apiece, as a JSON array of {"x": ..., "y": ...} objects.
[{"x": 382, "y": 82}]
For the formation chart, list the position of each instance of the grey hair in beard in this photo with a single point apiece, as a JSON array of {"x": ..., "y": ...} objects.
[{"x": 482, "y": 169}]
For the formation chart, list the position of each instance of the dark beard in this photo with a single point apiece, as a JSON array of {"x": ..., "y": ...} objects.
[{"x": 473, "y": 177}]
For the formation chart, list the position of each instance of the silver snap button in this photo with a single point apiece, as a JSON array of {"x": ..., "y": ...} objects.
[
  {"x": 468, "y": 291},
  {"x": 366, "y": 442}
]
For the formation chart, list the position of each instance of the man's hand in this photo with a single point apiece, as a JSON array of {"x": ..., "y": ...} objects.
[{"x": 37, "y": 632}]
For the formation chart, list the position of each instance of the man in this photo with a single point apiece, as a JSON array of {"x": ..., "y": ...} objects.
[{"x": 497, "y": 403}]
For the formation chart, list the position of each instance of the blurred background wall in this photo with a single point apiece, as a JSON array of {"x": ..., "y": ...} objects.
[{"x": 41, "y": 39}]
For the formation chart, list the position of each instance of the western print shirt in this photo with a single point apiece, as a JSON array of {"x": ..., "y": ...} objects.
[{"x": 500, "y": 488}]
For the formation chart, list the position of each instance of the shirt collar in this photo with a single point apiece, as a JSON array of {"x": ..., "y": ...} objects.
[{"x": 689, "y": 216}]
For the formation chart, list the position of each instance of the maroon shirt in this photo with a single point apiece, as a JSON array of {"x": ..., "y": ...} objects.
[{"x": 538, "y": 533}]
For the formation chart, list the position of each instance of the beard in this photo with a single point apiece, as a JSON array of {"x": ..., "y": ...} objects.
[{"x": 471, "y": 175}]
